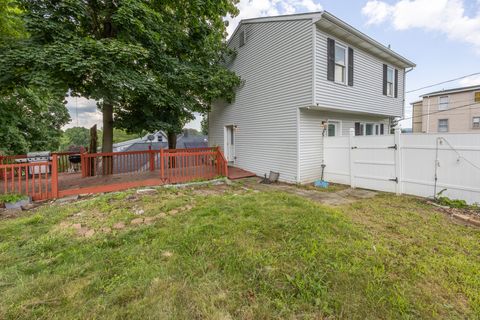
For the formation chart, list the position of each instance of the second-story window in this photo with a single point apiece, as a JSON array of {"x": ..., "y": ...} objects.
[
  {"x": 390, "y": 81},
  {"x": 340, "y": 63},
  {"x": 477, "y": 96},
  {"x": 443, "y": 103}
]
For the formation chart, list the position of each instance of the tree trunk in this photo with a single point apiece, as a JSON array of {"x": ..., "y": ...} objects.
[
  {"x": 172, "y": 140},
  {"x": 93, "y": 149},
  {"x": 107, "y": 141},
  {"x": 172, "y": 144}
]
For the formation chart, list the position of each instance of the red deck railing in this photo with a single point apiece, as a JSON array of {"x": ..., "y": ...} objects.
[
  {"x": 32, "y": 179},
  {"x": 40, "y": 180}
]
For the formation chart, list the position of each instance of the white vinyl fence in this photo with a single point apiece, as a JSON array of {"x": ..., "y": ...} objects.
[{"x": 407, "y": 163}]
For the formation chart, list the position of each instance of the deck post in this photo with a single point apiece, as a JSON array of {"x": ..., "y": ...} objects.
[
  {"x": 152, "y": 158},
  {"x": 54, "y": 176},
  {"x": 83, "y": 165},
  {"x": 162, "y": 173}
]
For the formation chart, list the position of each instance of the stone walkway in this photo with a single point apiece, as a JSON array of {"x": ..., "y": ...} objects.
[{"x": 337, "y": 198}]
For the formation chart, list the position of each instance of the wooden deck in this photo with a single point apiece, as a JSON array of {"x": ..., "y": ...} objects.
[{"x": 237, "y": 173}]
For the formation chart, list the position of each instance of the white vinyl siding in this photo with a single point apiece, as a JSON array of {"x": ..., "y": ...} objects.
[
  {"x": 366, "y": 95},
  {"x": 276, "y": 67},
  {"x": 311, "y": 138}
]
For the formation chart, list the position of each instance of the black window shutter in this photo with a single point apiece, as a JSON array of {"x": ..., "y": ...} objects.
[
  {"x": 396, "y": 83},
  {"x": 242, "y": 38},
  {"x": 357, "y": 129},
  {"x": 330, "y": 59},
  {"x": 350, "y": 67},
  {"x": 382, "y": 128},
  {"x": 385, "y": 79}
]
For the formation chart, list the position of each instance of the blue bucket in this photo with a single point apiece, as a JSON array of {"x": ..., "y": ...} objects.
[{"x": 320, "y": 184}]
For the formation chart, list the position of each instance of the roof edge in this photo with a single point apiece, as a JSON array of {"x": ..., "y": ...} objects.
[
  {"x": 315, "y": 16},
  {"x": 453, "y": 90},
  {"x": 284, "y": 17},
  {"x": 330, "y": 17}
]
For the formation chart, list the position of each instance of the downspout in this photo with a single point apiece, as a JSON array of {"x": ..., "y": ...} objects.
[
  {"x": 404, "y": 90},
  {"x": 428, "y": 115}
]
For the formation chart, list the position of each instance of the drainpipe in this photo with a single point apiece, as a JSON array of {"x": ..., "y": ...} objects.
[
  {"x": 404, "y": 89},
  {"x": 428, "y": 114}
]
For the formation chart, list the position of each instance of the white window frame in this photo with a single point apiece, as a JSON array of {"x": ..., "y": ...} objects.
[
  {"x": 448, "y": 126},
  {"x": 373, "y": 128},
  {"x": 391, "y": 94},
  {"x": 476, "y": 120},
  {"x": 345, "y": 73},
  {"x": 442, "y": 106},
  {"x": 338, "y": 127},
  {"x": 475, "y": 95},
  {"x": 374, "y": 125}
]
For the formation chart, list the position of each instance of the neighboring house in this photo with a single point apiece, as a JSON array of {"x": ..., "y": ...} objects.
[
  {"x": 158, "y": 140},
  {"x": 304, "y": 76},
  {"x": 417, "y": 116},
  {"x": 453, "y": 110}
]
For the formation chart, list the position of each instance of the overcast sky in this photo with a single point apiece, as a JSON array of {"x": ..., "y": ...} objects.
[{"x": 441, "y": 36}]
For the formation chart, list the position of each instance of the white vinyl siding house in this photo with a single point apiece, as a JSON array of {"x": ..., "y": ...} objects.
[
  {"x": 366, "y": 93},
  {"x": 274, "y": 64},
  {"x": 286, "y": 101}
]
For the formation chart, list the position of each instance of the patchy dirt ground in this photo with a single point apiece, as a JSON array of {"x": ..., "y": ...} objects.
[{"x": 343, "y": 196}]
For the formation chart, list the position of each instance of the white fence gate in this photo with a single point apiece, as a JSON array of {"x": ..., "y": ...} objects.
[{"x": 417, "y": 164}]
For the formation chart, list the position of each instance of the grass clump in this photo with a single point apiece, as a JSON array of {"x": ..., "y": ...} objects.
[{"x": 11, "y": 198}]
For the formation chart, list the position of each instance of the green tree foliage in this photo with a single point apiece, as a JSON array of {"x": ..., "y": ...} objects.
[
  {"x": 76, "y": 136},
  {"x": 191, "y": 132},
  {"x": 11, "y": 25},
  {"x": 204, "y": 124},
  {"x": 30, "y": 120},
  {"x": 149, "y": 63},
  {"x": 30, "y": 116}
]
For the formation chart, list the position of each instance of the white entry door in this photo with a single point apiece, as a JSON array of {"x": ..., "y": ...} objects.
[{"x": 230, "y": 143}]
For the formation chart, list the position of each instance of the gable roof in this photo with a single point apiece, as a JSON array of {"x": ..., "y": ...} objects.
[
  {"x": 333, "y": 25},
  {"x": 453, "y": 90}
]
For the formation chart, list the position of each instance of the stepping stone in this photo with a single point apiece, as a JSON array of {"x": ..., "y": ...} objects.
[
  {"x": 167, "y": 254},
  {"x": 106, "y": 230},
  {"x": 137, "y": 221},
  {"x": 77, "y": 226},
  {"x": 138, "y": 211},
  {"x": 146, "y": 191},
  {"x": 67, "y": 199},
  {"x": 119, "y": 225},
  {"x": 64, "y": 225},
  {"x": 89, "y": 233},
  {"x": 149, "y": 220}
]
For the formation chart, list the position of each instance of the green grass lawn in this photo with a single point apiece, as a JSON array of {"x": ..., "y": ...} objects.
[{"x": 238, "y": 255}]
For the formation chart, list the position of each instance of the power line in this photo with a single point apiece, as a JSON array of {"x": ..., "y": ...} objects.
[
  {"x": 443, "y": 82},
  {"x": 438, "y": 103}
]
